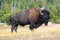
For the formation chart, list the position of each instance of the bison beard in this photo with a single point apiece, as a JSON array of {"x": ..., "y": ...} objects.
[{"x": 30, "y": 16}]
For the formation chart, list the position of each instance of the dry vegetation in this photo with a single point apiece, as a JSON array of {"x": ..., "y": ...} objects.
[{"x": 50, "y": 32}]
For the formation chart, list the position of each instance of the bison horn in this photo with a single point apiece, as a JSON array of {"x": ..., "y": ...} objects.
[{"x": 41, "y": 13}]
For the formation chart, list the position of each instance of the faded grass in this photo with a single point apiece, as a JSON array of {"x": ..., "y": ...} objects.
[{"x": 24, "y": 33}]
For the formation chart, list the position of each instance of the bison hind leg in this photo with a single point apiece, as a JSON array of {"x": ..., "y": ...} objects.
[{"x": 14, "y": 27}]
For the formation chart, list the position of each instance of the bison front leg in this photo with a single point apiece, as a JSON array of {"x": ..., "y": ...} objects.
[
  {"x": 37, "y": 25},
  {"x": 31, "y": 27}
]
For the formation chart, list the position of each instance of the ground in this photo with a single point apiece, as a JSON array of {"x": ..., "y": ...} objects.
[{"x": 50, "y": 32}]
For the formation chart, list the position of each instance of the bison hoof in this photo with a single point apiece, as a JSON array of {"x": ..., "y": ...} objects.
[{"x": 32, "y": 29}]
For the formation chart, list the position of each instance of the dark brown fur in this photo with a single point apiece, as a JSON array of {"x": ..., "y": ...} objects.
[{"x": 30, "y": 16}]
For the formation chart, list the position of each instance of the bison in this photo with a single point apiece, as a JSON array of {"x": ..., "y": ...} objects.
[{"x": 33, "y": 16}]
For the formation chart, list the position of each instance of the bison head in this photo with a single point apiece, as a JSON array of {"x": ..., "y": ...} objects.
[{"x": 44, "y": 16}]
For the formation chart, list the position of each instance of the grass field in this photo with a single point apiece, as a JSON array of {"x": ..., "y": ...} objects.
[{"x": 50, "y": 32}]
